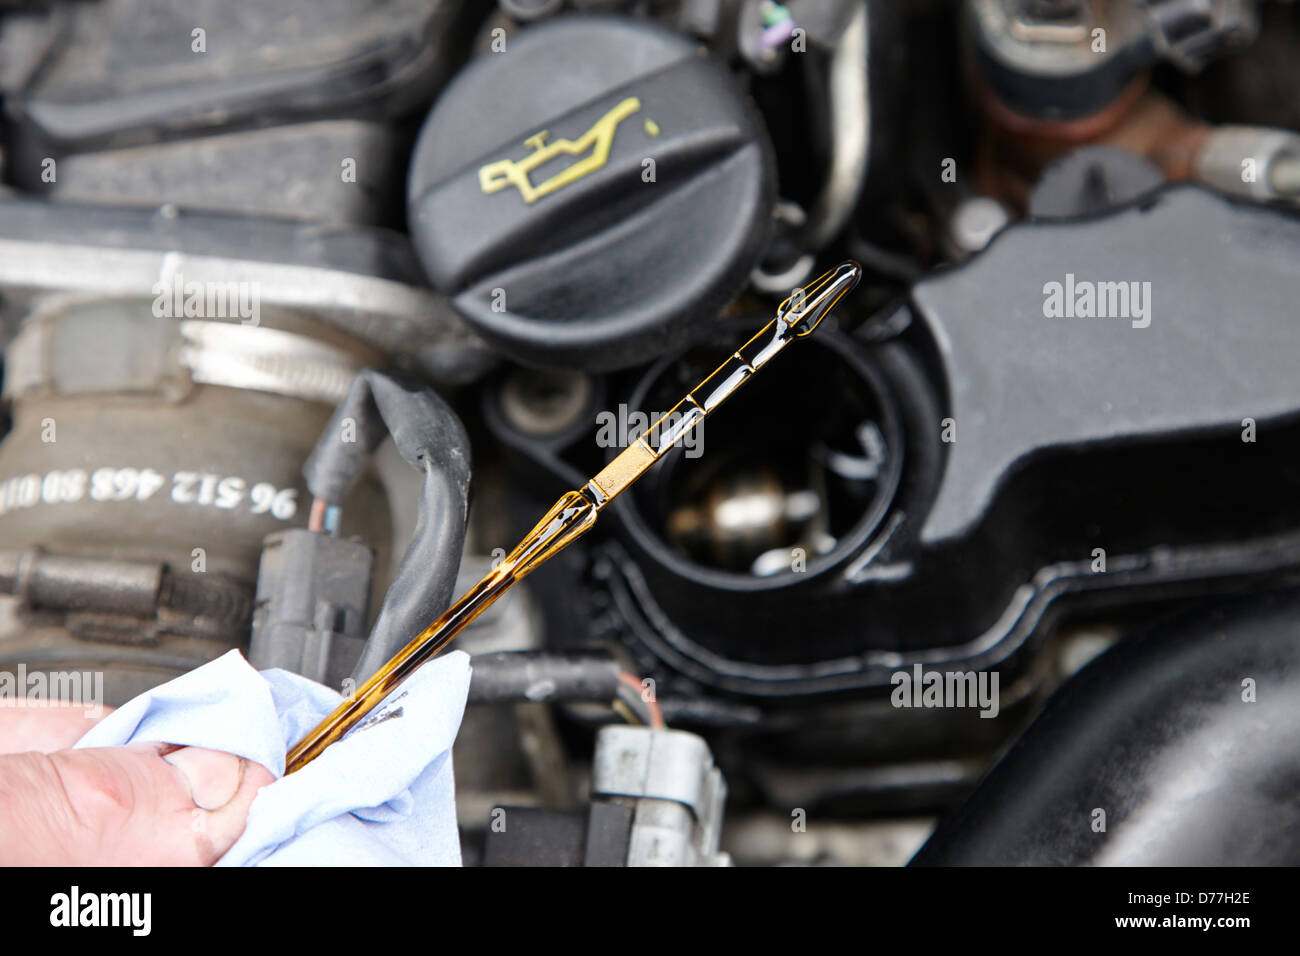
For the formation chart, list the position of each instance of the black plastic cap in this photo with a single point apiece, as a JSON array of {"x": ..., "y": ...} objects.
[{"x": 586, "y": 259}]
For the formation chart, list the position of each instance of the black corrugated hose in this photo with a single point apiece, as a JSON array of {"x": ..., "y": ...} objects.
[{"x": 428, "y": 434}]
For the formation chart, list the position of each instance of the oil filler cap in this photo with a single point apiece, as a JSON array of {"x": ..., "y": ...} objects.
[{"x": 589, "y": 193}]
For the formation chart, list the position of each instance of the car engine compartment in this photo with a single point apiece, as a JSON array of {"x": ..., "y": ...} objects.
[{"x": 1015, "y": 536}]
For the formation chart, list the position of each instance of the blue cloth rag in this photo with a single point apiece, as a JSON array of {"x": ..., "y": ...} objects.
[{"x": 382, "y": 796}]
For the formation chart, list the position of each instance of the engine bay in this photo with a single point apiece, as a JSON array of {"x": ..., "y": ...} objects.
[{"x": 310, "y": 312}]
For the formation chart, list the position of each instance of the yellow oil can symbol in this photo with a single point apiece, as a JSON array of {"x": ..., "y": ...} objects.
[{"x": 509, "y": 172}]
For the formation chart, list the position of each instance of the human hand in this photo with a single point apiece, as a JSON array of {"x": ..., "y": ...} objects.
[{"x": 145, "y": 804}]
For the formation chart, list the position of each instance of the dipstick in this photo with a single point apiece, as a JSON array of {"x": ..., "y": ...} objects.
[{"x": 577, "y": 510}]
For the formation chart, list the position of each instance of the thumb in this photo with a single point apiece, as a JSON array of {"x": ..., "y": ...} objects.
[{"x": 145, "y": 804}]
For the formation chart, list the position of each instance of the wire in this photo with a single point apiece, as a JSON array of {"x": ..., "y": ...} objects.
[
  {"x": 316, "y": 519},
  {"x": 430, "y": 437},
  {"x": 648, "y": 702}
]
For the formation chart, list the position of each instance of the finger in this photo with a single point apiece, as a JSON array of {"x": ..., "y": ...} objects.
[
  {"x": 45, "y": 726},
  {"x": 124, "y": 806},
  {"x": 211, "y": 777},
  {"x": 221, "y": 788}
]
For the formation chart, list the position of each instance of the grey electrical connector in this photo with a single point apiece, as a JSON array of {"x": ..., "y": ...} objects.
[
  {"x": 677, "y": 792},
  {"x": 311, "y": 608}
]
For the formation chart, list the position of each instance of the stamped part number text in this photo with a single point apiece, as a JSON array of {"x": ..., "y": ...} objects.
[{"x": 203, "y": 489}]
